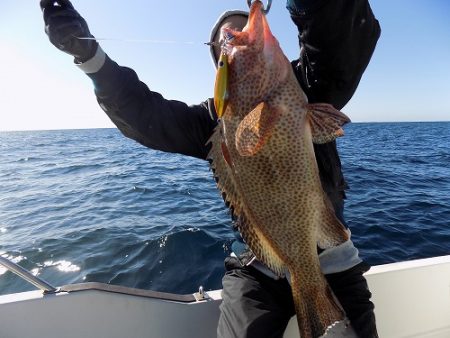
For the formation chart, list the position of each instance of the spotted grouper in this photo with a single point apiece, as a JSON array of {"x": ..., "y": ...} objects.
[{"x": 263, "y": 160}]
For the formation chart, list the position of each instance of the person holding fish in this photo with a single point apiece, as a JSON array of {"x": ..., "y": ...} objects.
[{"x": 269, "y": 135}]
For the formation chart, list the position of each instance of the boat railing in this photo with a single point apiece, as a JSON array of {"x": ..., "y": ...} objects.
[
  {"x": 27, "y": 275},
  {"x": 47, "y": 288}
]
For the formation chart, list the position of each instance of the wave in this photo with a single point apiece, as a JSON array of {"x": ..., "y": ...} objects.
[{"x": 90, "y": 205}]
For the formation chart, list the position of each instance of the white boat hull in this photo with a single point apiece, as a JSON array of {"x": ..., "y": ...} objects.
[{"x": 412, "y": 299}]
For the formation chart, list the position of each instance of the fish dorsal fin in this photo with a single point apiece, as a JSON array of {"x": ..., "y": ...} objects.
[
  {"x": 326, "y": 122},
  {"x": 260, "y": 245},
  {"x": 222, "y": 167},
  {"x": 255, "y": 129}
]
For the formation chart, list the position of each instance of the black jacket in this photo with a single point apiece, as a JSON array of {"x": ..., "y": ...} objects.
[{"x": 337, "y": 39}]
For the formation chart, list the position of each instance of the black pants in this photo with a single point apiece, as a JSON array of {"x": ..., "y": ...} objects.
[{"x": 257, "y": 306}]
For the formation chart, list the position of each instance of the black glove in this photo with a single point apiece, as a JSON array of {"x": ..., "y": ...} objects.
[{"x": 63, "y": 25}]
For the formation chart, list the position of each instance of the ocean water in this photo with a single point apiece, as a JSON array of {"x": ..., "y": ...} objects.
[{"x": 91, "y": 205}]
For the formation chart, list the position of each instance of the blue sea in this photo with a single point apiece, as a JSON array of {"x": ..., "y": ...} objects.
[{"x": 91, "y": 205}]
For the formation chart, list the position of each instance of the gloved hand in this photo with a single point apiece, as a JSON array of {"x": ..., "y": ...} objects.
[
  {"x": 296, "y": 7},
  {"x": 63, "y": 24}
]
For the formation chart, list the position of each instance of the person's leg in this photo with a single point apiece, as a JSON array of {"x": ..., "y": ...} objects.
[
  {"x": 351, "y": 289},
  {"x": 253, "y": 304}
]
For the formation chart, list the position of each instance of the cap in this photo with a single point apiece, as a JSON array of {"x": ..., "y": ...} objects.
[{"x": 235, "y": 19}]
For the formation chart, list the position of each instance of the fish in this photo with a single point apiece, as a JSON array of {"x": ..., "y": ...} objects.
[{"x": 263, "y": 160}]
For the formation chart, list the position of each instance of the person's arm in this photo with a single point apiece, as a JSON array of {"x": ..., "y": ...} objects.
[
  {"x": 138, "y": 112},
  {"x": 147, "y": 117},
  {"x": 337, "y": 39}
]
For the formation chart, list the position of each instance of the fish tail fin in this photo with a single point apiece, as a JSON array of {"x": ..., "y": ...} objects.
[{"x": 316, "y": 307}]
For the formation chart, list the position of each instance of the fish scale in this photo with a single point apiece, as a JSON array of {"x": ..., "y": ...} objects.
[{"x": 263, "y": 160}]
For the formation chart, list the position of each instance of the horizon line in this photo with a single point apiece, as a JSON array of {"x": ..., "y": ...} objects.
[{"x": 88, "y": 128}]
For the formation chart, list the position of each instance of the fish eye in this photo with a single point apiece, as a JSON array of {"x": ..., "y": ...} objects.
[
  {"x": 229, "y": 36},
  {"x": 220, "y": 63}
]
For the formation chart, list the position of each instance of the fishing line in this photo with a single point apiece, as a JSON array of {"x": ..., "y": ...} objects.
[{"x": 144, "y": 41}]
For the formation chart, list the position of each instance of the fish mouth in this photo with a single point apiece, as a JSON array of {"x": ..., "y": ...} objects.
[
  {"x": 254, "y": 33},
  {"x": 256, "y": 18},
  {"x": 247, "y": 50},
  {"x": 266, "y": 10}
]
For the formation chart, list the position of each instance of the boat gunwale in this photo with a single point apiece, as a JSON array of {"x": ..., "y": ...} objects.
[
  {"x": 210, "y": 295},
  {"x": 96, "y": 286}
]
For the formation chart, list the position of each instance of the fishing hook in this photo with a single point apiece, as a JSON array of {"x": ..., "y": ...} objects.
[{"x": 266, "y": 10}]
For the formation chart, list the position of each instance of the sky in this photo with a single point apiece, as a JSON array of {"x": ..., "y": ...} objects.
[{"x": 408, "y": 78}]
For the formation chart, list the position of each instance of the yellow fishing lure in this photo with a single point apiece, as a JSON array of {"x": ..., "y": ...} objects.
[{"x": 221, "y": 85}]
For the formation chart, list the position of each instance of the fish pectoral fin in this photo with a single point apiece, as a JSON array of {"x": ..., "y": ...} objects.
[
  {"x": 331, "y": 231},
  {"x": 255, "y": 129},
  {"x": 326, "y": 122}
]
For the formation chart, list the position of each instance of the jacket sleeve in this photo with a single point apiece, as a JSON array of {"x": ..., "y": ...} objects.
[
  {"x": 337, "y": 40},
  {"x": 150, "y": 119}
]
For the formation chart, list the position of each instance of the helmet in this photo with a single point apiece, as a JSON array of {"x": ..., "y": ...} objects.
[{"x": 235, "y": 19}]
